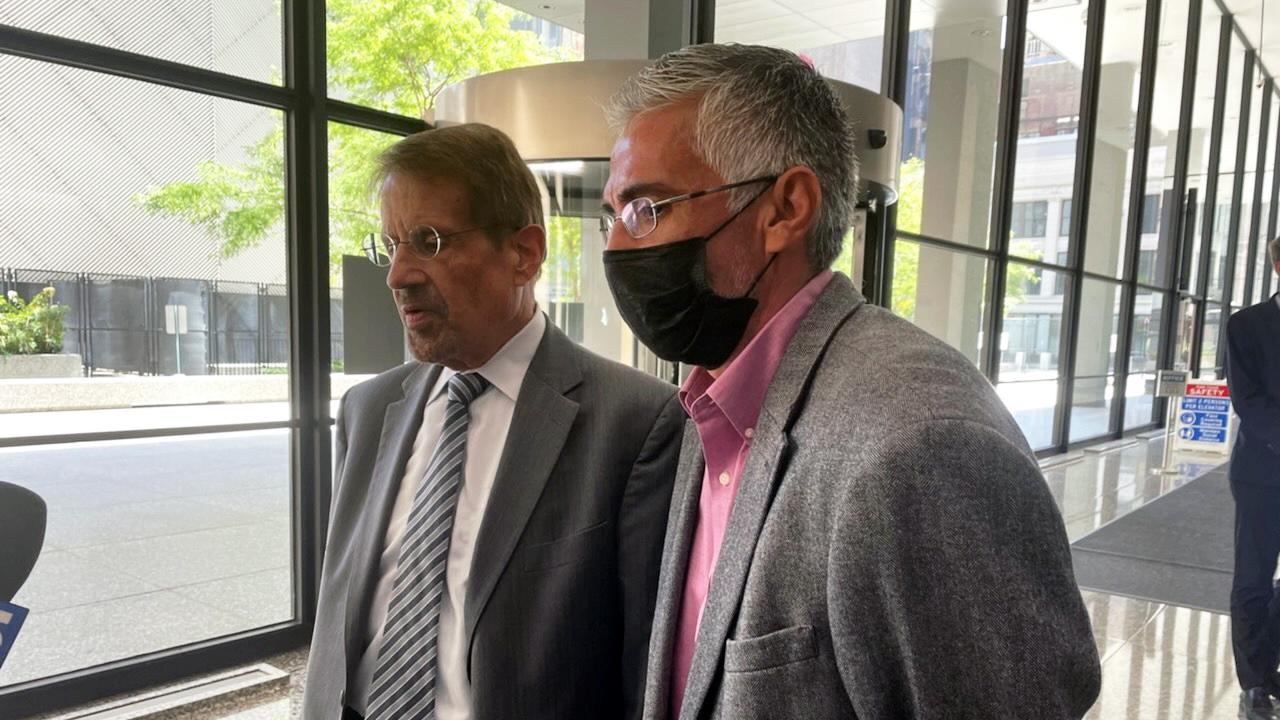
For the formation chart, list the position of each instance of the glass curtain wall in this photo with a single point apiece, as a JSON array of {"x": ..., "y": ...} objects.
[
  {"x": 174, "y": 415},
  {"x": 151, "y": 411},
  {"x": 1069, "y": 228}
]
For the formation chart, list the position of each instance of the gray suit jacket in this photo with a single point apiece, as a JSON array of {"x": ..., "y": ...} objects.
[
  {"x": 561, "y": 592},
  {"x": 892, "y": 552}
]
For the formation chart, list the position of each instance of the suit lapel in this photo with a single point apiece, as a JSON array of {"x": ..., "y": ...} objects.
[
  {"x": 682, "y": 519},
  {"x": 400, "y": 427},
  {"x": 766, "y": 463},
  {"x": 539, "y": 428}
]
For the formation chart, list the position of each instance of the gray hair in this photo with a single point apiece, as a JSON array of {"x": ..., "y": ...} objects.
[
  {"x": 761, "y": 110},
  {"x": 1273, "y": 249}
]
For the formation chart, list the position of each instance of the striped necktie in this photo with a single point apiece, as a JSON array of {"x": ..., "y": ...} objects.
[{"x": 404, "y": 679}]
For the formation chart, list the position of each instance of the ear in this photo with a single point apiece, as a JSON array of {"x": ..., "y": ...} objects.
[
  {"x": 792, "y": 210},
  {"x": 529, "y": 245}
]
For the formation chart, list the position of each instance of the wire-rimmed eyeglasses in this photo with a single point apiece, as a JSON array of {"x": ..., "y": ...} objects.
[
  {"x": 424, "y": 241},
  {"x": 640, "y": 216}
]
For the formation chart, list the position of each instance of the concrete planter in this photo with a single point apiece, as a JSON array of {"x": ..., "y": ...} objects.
[{"x": 62, "y": 365}]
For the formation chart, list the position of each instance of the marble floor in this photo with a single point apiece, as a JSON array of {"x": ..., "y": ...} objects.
[{"x": 1158, "y": 661}]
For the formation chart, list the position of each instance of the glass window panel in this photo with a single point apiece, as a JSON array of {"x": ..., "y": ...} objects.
[
  {"x": 1029, "y": 350},
  {"x": 176, "y": 315},
  {"x": 1247, "y": 230},
  {"x": 241, "y": 38},
  {"x": 1139, "y": 402},
  {"x": 187, "y": 536},
  {"x": 1186, "y": 334},
  {"x": 953, "y": 73},
  {"x": 1261, "y": 267},
  {"x": 1095, "y": 359},
  {"x": 1144, "y": 356},
  {"x": 1091, "y": 407},
  {"x": 1029, "y": 219},
  {"x": 1049, "y": 116},
  {"x": 1201, "y": 135},
  {"x": 437, "y": 43},
  {"x": 844, "y": 40},
  {"x": 187, "y": 208},
  {"x": 1117, "y": 114},
  {"x": 1209, "y": 340},
  {"x": 572, "y": 288},
  {"x": 1226, "y": 173},
  {"x": 943, "y": 292},
  {"x": 366, "y": 335}
]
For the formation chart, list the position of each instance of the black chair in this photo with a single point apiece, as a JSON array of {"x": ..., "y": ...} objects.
[{"x": 22, "y": 523}]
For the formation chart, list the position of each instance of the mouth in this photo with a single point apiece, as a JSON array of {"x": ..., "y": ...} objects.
[{"x": 415, "y": 317}]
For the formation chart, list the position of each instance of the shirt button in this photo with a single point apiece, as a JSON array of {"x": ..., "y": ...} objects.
[
  {"x": 724, "y": 478},
  {"x": 750, "y": 433}
]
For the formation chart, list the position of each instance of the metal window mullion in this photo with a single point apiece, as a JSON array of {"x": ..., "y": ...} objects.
[
  {"x": 1087, "y": 129},
  {"x": 1003, "y": 180},
  {"x": 1260, "y": 169},
  {"x": 703, "y": 21},
  {"x": 1137, "y": 206},
  {"x": 1237, "y": 190},
  {"x": 895, "y": 64},
  {"x": 1211, "y": 188},
  {"x": 893, "y": 81},
  {"x": 372, "y": 119},
  {"x": 98, "y": 58},
  {"x": 1183, "y": 232},
  {"x": 306, "y": 199}
]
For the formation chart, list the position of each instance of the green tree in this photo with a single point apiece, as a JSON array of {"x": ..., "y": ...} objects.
[{"x": 395, "y": 55}]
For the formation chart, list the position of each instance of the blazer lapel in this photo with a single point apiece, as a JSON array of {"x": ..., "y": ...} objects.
[
  {"x": 766, "y": 463},
  {"x": 399, "y": 429},
  {"x": 539, "y": 428},
  {"x": 682, "y": 519}
]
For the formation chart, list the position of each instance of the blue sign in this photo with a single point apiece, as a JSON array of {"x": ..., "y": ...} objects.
[
  {"x": 1207, "y": 404},
  {"x": 11, "y": 619},
  {"x": 1208, "y": 435},
  {"x": 1204, "y": 419}
]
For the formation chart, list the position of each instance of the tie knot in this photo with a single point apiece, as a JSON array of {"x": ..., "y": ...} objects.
[{"x": 465, "y": 387}]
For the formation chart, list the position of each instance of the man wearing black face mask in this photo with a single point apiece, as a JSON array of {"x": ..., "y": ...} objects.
[{"x": 858, "y": 528}]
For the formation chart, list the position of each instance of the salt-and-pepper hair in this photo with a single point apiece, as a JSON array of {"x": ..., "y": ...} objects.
[
  {"x": 760, "y": 111},
  {"x": 1273, "y": 249}
]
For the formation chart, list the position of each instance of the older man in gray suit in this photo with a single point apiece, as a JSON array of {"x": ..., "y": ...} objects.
[
  {"x": 499, "y": 506},
  {"x": 858, "y": 528}
]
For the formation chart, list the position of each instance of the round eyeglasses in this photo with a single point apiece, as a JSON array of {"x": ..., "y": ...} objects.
[
  {"x": 425, "y": 242},
  {"x": 639, "y": 217}
]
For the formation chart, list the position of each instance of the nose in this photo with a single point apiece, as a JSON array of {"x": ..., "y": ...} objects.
[
  {"x": 405, "y": 270},
  {"x": 616, "y": 237}
]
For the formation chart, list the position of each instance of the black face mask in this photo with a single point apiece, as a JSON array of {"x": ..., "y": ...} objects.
[{"x": 663, "y": 295}]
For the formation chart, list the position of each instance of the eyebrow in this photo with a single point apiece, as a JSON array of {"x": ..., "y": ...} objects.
[{"x": 642, "y": 189}]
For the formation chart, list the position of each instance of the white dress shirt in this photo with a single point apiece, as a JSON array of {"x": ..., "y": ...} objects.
[{"x": 486, "y": 437}]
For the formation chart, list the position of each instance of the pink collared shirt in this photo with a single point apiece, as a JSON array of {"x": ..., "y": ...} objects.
[{"x": 725, "y": 410}]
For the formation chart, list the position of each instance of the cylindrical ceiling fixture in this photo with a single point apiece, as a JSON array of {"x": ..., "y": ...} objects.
[{"x": 555, "y": 112}]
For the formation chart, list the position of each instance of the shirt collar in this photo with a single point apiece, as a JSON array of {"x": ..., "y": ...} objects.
[
  {"x": 507, "y": 368},
  {"x": 739, "y": 391}
]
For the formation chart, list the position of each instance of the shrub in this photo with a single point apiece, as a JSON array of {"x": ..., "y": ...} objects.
[{"x": 29, "y": 328}]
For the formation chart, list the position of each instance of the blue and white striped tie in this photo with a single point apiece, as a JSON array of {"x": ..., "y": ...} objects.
[{"x": 404, "y": 680}]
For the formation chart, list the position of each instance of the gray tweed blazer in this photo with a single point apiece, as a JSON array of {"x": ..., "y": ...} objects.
[{"x": 893, "y": 550}]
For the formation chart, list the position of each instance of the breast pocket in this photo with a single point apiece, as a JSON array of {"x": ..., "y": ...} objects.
[
  {"x": 569, "y": 550},
  {"x": 783, "y": 647}
]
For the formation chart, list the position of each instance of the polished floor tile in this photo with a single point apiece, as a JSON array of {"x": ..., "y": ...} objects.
[{"x": 1159, "y": 661}]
